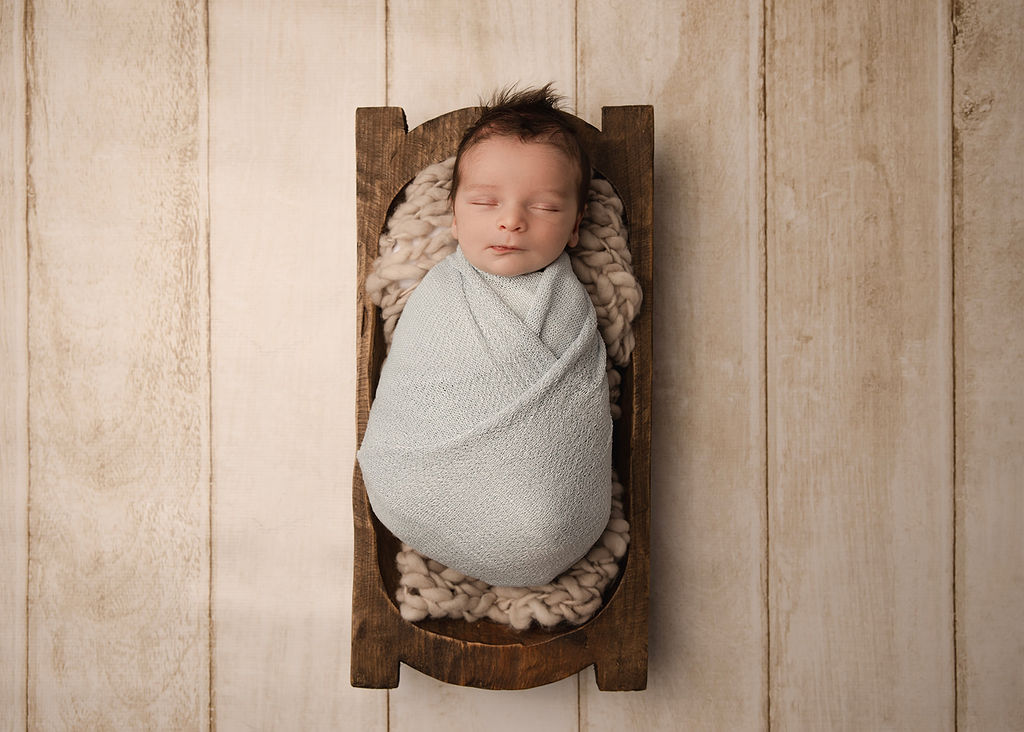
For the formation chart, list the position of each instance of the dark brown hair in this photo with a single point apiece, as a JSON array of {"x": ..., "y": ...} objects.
[{"x": 531, "y": 115}]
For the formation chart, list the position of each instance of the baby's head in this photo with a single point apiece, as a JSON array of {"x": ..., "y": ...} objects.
[{"x": 520, "y": 184}]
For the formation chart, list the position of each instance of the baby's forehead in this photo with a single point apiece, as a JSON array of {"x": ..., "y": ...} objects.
[
  {"x": 491, "y": 140},
  {"x": 494, "y": 147}
]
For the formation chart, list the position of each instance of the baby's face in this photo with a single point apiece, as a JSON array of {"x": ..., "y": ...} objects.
[{"x": 516, "y": 209}]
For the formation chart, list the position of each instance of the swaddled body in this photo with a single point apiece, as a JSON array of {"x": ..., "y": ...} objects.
[{"x": 489, "y": 443}]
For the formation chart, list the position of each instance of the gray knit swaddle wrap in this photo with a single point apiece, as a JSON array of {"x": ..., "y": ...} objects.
[{"x": 488, "y": 446}]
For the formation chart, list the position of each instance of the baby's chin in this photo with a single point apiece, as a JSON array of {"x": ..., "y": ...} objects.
[{"x": 508, "y": 264}]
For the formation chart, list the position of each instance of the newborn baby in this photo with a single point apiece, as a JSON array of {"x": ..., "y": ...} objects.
[{"x": 488, "y": 446}]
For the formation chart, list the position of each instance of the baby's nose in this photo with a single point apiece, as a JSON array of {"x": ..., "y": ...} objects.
[{"x": 511, "y": 219}]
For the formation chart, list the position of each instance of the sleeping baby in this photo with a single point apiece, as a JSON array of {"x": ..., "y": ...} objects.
[{"x": 488, "y": 446}]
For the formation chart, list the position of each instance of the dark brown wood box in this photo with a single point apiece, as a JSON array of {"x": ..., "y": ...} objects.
[{"x": 485, "y": 654}]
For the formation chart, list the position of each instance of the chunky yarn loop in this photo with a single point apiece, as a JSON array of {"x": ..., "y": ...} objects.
[{"x": 416, "y": 237}]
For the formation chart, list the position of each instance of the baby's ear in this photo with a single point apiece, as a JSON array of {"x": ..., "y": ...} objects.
[
  {"x": 455, "y": 229},
  {"x": 574, "y": 237}
]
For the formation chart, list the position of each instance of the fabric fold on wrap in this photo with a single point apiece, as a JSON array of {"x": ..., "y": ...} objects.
[{"x": 488, "y": 446}]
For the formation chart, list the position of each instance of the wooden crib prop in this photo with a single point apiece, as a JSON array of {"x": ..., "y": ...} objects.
[{"x": 485, "y": 654}]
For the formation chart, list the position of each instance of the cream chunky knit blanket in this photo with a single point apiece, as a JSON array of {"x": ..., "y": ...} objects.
[{"x": 488, "y": 446}]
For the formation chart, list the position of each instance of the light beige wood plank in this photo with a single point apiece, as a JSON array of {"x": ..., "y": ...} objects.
[
  {"x": 444, "y": 56},
  {"x": 422, "y": 703},
  {"x": 448, "y": 54},
  {"x": 13, "y": 369},
  {"x": 988, "y": 107},
  {"x": 859, "y": 366},
  {"x": 285, "y": 81},
  {"x": 119, "y": 386},
  {"x": 699, "y": 65}
]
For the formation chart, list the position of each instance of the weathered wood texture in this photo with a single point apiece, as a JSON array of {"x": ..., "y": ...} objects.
[
  {"x": 13, "y": 370},
  {"x": 484, "y": 654},
  {"x": 118, "y": 382},
  {"x": 708, "y": 644},
  {"x": 285, "y": 80},
  {"x": 448, "y": 54},
  {"x": 859, "y": 366},
  {"x": 988, "y": 116},
  {"x": 104, "y": 371}
]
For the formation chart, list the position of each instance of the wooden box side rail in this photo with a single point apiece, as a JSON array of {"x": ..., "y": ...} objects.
[{"x": 484, "y": 654}]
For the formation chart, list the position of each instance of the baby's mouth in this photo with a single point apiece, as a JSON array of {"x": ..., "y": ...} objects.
[{"x": 502, "y": 248}]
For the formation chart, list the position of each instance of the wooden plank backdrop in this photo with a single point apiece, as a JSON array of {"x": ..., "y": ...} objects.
[
  {"x": 837, "y": 504},
  {"x": 13, "y": 369},
  {"x": 988, "y": 208},
  {"x": 119, "y": 427},
  {"x": 860, "y": 394}
]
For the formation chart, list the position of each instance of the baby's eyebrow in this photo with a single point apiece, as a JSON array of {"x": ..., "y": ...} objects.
[
  {"x": 485, "y": 187},
  {"x": 554, "y": 194}
]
